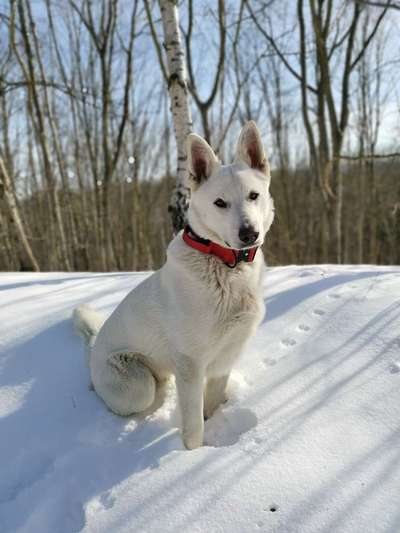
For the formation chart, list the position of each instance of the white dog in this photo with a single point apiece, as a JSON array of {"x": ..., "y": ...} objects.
[{"x": 192, "y": 317}]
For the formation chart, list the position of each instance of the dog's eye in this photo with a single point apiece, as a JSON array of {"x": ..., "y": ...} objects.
[
  {"x": 219, "y": 202},
  {"x": 253, "y": 195}
]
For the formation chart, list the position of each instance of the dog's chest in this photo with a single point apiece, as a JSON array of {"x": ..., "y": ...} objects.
[{"x": 236, "y": 300}]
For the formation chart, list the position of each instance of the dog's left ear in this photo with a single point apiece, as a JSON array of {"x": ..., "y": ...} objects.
[{"x": 250, "y": 149}]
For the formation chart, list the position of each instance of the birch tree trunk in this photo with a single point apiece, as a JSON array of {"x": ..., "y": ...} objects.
[{"x": 179, "y": 97}]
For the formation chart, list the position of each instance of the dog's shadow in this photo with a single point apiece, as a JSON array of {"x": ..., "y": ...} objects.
[{"x": 61, "y": 447}]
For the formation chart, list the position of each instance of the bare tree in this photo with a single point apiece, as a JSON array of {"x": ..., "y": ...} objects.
[
  {"x": 38, "y": 119},
  {"x": 204, "y": 105},
  {"x": 103, "y": 39},
  {"x": 332, "y": 113},
  {"x": 6, "y": 187}
]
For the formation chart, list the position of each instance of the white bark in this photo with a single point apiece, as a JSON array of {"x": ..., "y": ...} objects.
[{"x": 179, "y": 97}]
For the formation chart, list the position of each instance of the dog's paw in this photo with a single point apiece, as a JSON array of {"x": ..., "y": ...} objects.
[{"x": 193, "y": 441}]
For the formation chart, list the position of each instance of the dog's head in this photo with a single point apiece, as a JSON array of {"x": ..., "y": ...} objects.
[{"x": 230, "y": 204}]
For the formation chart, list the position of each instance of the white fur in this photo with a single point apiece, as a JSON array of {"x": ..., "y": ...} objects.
[
  {"x": 192, "y": 317},
  {"x": 87, "y": 323}
]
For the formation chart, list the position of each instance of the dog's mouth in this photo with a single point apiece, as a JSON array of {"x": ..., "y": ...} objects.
[{"x": 244, "y": 246}]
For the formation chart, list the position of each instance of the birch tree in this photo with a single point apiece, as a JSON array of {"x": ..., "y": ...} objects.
[{"x": 174, "y": 73}]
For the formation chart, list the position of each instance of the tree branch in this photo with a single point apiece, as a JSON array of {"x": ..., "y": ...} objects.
[
  {"x": 280, "y": 54},
  {"x": 368, "y": 156},
  {"x": 388, "y": 4}
]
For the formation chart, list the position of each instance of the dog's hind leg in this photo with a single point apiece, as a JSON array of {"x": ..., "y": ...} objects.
[
  {"x": 214, "y": 394},
  {"x": 127, "y": 385}
]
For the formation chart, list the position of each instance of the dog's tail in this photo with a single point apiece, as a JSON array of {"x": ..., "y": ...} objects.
[{"x": 87, "y": 322}]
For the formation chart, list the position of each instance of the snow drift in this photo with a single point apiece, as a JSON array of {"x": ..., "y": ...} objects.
[{"x": 308, "y": 442}]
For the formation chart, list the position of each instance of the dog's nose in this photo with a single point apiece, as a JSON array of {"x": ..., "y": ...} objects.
[{"x": 247, "y": 234}]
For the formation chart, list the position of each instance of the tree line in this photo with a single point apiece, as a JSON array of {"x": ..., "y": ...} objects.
[{"x": 96, "y": 99}]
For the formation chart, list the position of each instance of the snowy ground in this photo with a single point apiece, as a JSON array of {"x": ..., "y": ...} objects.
[{"x": 309, "y": 441}]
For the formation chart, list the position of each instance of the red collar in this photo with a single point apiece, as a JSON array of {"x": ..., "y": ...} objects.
[{"x": 229, "y": 256}]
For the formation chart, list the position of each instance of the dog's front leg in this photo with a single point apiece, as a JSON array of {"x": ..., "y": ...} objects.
[{"x": 189, "y": 384}]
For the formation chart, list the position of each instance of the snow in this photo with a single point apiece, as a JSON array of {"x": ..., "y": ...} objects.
[{"x": 308, "y": 442}]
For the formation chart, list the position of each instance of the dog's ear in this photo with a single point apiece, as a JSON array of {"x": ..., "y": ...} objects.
[
  {"x": 250, "y": 149},
  {"x": 201, "y": 160}
]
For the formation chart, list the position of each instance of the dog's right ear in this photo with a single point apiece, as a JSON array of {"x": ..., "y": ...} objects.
[{"x": 201, "y": 160}]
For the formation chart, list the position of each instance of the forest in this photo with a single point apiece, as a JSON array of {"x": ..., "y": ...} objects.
[{"x": 96, "y": 98}]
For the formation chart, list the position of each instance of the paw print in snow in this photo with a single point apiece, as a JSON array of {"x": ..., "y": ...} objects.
[
  {"x": 303, "y": 327},
  {"x": 288, "y": 342}
]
